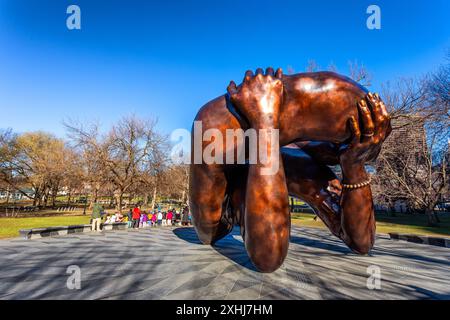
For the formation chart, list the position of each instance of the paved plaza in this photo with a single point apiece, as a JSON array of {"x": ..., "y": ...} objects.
[{"x": 170, "y": 263}]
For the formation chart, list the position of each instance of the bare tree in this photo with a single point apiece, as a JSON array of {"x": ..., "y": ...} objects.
[
  {"x": 359, "y": 73},
  {"x": 123, "y": 155},
  {"x": 36, "y": 160},
  {"x": 356, "y": 71},
  {"x": 153, "y": 180},
  {"x": 7, "y": 138},
  {"x": 438, "y": 88},
  {"x": 414, "y": 162},
  {"x": 312, "y": 66},
  {"x": 73, "y": 179},
  {"x": 177, "y": 177},
  {"x": 290, "y": 70},
  {"x": 332, "y": 67}
]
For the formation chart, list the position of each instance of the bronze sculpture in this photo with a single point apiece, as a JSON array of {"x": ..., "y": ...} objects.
[{"x": 347, "y": 124}]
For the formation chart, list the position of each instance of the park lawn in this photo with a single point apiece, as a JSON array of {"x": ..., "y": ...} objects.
[
  {"x": 9, "y": 227},
  {"x": 401, "y": 223}
]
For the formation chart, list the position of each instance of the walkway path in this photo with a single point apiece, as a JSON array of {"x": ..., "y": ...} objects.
[{"x": 170, "y": 263}]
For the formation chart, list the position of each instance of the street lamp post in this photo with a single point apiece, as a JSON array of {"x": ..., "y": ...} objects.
[{"x": 85, "y": 205}]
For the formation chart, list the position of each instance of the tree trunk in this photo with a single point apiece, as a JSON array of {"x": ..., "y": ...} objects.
[
  {"x": 54, "y": 194},
  {"x": 120, "y": 201},
  {"x": 36, "y": 197},
  {"x": 183, "y": 195},
  {"x": 186, "y": 187},
  {"x": 154, "y": 198},
  {"x": 8, "y": 194},
  {"x": 47, "y": 193},
  {"x": 432, "y": 221},
  {"x": 95, "y": 195}
]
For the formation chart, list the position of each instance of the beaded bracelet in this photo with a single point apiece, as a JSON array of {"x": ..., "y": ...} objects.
[{"x": 356, "y": 186}]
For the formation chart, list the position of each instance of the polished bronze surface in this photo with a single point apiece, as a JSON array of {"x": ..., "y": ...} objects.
[{"x": 323, "y": 119}]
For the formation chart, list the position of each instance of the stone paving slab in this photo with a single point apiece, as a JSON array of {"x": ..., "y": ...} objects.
[{"x": 171, "y": 263}]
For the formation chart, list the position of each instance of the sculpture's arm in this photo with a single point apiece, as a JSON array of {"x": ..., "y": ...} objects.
[
  {"x": 348, "y": 213},
  {"x": 266, "y": 217},
  {"x": 327, "y": 153},
  {"x": 357, "y": 212}
]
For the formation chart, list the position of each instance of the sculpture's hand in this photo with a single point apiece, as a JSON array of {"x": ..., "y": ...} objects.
[
  {"x": 357, "y": 213},
  {"x": 259, "y": 97},
  {"x": 366, "y": 141}
]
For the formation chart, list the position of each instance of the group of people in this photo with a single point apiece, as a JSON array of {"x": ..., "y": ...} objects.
[{"x": 137, "y": 218}]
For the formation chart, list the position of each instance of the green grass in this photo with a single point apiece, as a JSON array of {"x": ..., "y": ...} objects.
[
  {"x": 9, "y": 227},
  {"x": 401, "y": 223}
]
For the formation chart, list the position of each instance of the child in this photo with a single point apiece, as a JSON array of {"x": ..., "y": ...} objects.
[
  {"x": 149, "y": 220},
  {"x": 154, "y": 218},
  {"x": 144, "y": 219},
  {"x": 169, "y": 217},
  {"x": 164, "y": 219},
  {"x": 130, "y": 219},
  {"x": 159, "y": 218}
]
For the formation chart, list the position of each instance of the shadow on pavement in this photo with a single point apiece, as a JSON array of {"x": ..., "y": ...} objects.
[
  {"x": 321, "y": 245},
  {"x": 229, "y": 246}
]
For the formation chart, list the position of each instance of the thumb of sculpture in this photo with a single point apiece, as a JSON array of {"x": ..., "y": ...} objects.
[{"x": 232, "y": 89}]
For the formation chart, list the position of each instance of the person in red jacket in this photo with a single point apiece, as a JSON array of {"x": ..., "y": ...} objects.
[
  {"x": 169, "y": 217},
  {"x": 136, "y": 216}
]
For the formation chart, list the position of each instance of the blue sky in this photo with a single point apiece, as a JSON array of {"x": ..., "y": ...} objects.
[{"x": 165, "y": 59}]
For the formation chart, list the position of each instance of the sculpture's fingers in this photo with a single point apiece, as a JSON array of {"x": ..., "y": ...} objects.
[
  {"x": 375, "y": 108},
  {"x": 383, "y": 108},
  {"x": 270, "y": 71},
  {"x": 367, "y": 122},
  {"x": 279, "y": 73},
  {"x": 248, "y": 75},
  {"x": 387, "y": 128},
  {"x": 259, "y": 71},
  {"x": 380, "y": 117},
  {"x": 232, "y": 89},
  {"x": 354, "y": 129}
]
